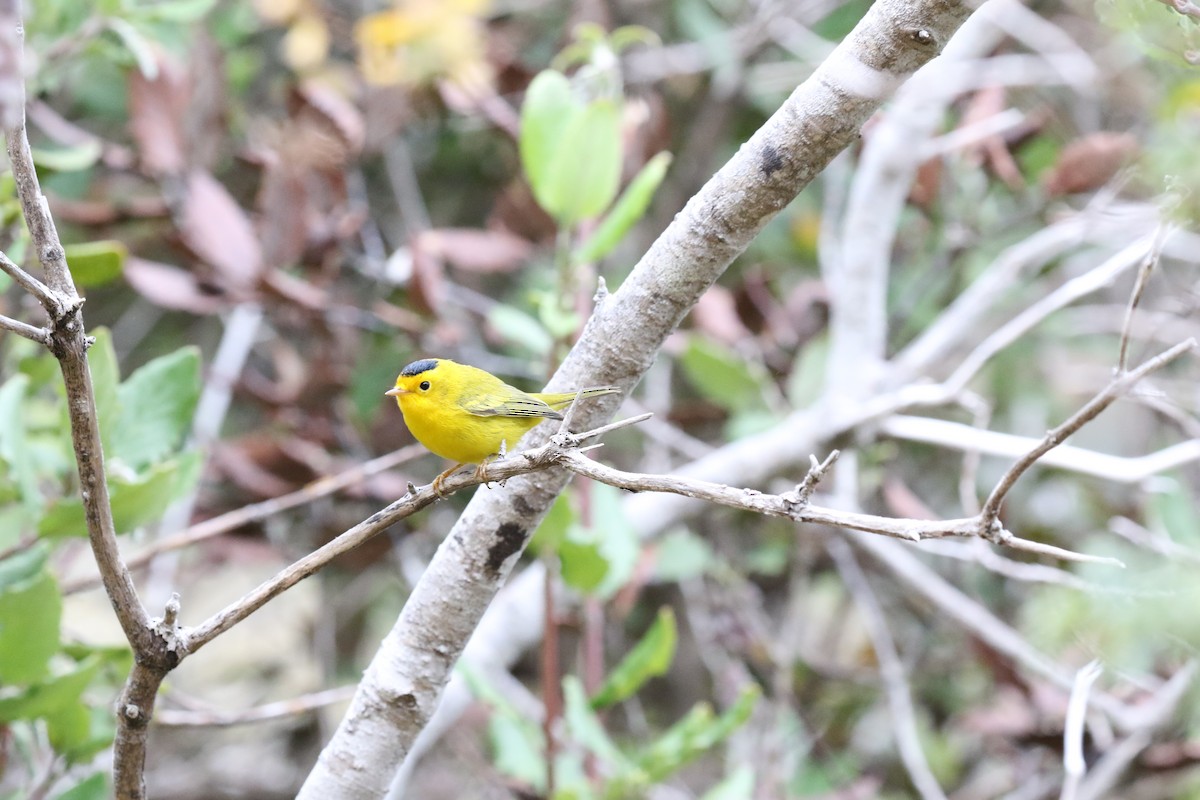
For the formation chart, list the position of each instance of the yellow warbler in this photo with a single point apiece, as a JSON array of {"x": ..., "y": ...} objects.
[{"x": 468, "y": 415}]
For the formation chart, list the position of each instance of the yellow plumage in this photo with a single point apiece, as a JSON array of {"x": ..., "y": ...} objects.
[{"x": 468, "y": 415}]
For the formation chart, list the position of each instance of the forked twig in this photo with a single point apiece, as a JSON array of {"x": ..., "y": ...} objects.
[{"x": 1117, "y": 387}]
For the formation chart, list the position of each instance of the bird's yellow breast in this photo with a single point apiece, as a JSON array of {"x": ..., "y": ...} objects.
[{"x": 449, "y": 431}]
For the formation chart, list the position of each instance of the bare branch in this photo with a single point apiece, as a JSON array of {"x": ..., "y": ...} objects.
[
  {"x": 39, "y": 335},
  {"x": 1119, "y": 469},
  {"x": 68, "y": 341},
  {"x": 1097, "y": 278},
  {"x": 1117, "y": 387},
  {"x": 1073, "y": 763},
  {"x": 268, "y": 711},
  {"x": 895, "y": 681},
  {"x": 498, "y": 471},
  {"x": 12, "y": 82},
  {"x": 39, "y": 290},
  {"x": 254, "y": 512},
  {"x": 816, "y": 473},
  {"x": 1154, "y": 713},
  {"x": 789, "y": 505},
  {"x": 1139, "y": 286},
  {"x": 1185, "y": 7}
]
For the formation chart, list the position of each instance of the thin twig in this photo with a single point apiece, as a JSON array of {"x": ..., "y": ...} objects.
[
  {"x": 539, "y": 458},
  {"x": 1139, "y": 286},
  {"x": 254, "y": 512},
  {"x": 972, "y": 439},
  {"x": 1117, "y": 387},
  {"x": 1064, "y": 295},
  {"x": 1163, "y": 545},
  {"x": 1073, "y": 762},
  {"x": 51, "y": 302},
  {"x": 1155, "y": 713},
  {"x": 279, "y": 709},
  {"x": 891, "y": 670},
  {"x": 39, "y": 335}
]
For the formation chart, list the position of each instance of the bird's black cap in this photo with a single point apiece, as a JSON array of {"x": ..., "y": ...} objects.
[{"x": 417, "y": 367}]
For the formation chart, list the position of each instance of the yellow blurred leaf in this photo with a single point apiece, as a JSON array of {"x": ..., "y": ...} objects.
[
  {"x": 278, "y": 12},
  {"x": 306, "y": 44},
  {"x": 418, "y": 41}
]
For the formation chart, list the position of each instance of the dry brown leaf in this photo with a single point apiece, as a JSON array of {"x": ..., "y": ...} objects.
[
  {"x": 1087, "y": 164},
  {"x": 716, "y": 314},
  {"x": 334, "y": 111},
  {"x": 157, "y": 110},
  {"x": 427, "y": 286},
  {"x": 473, "y": 249},
  {"x": 171, "y": 287},
  {"x": 218, "y": 231}
]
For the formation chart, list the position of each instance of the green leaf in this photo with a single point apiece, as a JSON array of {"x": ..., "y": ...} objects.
[
  {"x": 67, "y": 159},
  {"x": 30, "y": 611},
  {"x": 598, "y": 559},
  {"x": 177, "y": 11},
  {"x": 93, "y": 788},
  {"x": 739, "y": 785},
  {"x": 559, "y": 322},
  {"x": 157, "y": 402},
  {"x": 96, "y": 263},
  {"x": 584, "y": 567},
  {"x": 520, "y": 328},
  {"x": 808, "y": 373},
  {"x": 51, "y": 695},
  {"x": 585, "y": 726},
  {"x": 627, "y": 212},
  {"x": 680, "y": 555},
  {"x": 1172, "y": 511},
  {"x": 14, "y": 444},
  {"x": 648, "y": 659},
  {"x": 106, "y": 380},
  {"x": 553, "y": 530},
  {"x": 548, "y": 108},
  {"x": 723, "y": 376},
  {"x": 518, "y": 749},
  {"x": 82, "y": 736},
  {"x": 138, "y": 46},
  {"x": 22, "y": 568},
  {"x": 586, "y": 170},
  {"x": 697, "y": 732},
  {"x": 69, "y": 726},
  {"x": 135, "y": 501}
]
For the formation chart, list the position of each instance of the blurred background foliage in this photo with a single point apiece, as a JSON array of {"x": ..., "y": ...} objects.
[{"x": 273, "y": 206}]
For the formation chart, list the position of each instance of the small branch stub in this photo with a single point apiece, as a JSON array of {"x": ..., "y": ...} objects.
[{"x": 816, "y": 473}]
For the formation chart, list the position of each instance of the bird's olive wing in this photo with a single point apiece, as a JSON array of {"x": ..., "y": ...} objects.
[{"x": 510, "y": 402}]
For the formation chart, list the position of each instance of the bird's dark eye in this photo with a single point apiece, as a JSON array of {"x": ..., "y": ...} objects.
[{"x": 424, "y": 386}]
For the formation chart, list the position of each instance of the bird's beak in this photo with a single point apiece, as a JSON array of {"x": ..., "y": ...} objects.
[{"x": 395, "y": 392}]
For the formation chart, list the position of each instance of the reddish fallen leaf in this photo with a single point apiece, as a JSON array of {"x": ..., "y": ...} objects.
[
  {"x": 473, "y": 249},
  {"x": 716, "y": 314},
  {"x": 157, "y": 110},
  {"x": 927, "y": 184},
  {"x": 807, "y": 308},
  {"x": 1008, "y": 714},
  {"x": 106, "y": 212},
  {"x": 334, "y": 111},
  {"x": 218, "y": 231},
  {"x": 515, "y": 210},
  {"x": 253, "y": 464},
  {"x": 171, "y": 287},
  {"x": 1088, "y": 163},
  {"x": 282, "y": 204},
  {"x": 297, "y": 290},
  {"x": 993, "y": 150},
  {"x": 427, "y": 285},
  {"x": 903, "y": 502}
]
